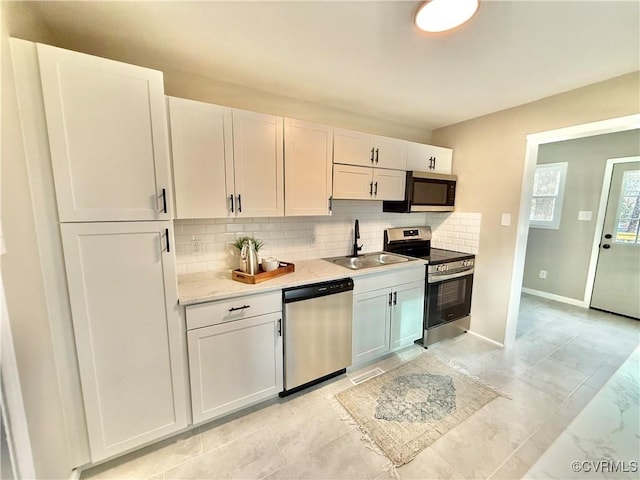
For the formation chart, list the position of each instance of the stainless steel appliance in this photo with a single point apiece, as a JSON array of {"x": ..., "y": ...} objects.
[
  {"x": 425, "y": 192},
  {"x": 449, "y": 282},
  {"x": 317, "y": 332}
]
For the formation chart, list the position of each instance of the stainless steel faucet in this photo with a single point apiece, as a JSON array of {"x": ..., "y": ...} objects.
[{"x": 356, "y": 236}]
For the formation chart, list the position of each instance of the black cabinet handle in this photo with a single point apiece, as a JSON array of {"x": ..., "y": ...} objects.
[
  {"x": 235, "y": 309},
  {"x": 330, "y": 204},
  {"x": 279, "y": 327},
  {"x": 239, "y": 203},
  {"x": 375, "y": 191},
  {"x": 231, "y": 202},
  {"x": 166, "y": 232},
  {"x": 606, "y": 246},
  {"x": 164, "y": 200},
  {"x": 395, "y": 298},
  {"x": 376, "y": 155},
  {"x": 371, "y": 154},
  {"x": 370, "y": 188},
  {"x": 434, "y": 163},
  {"x": 390, "y": 297}
]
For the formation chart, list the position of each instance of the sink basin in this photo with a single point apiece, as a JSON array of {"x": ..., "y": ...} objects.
[{"x": 367, "y": 260}]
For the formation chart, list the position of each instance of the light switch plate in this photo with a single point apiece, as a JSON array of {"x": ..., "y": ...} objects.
[
  {"x": 585, "y": 215},
  {"x": 505, "y": 221}
]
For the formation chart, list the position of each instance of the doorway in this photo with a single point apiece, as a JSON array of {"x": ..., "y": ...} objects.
[
  {"x": 617, "y": 276},
  {"x": 533, "y": 142}
]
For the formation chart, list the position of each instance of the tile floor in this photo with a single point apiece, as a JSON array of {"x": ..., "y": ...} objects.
[{"x": 563, "y": 356}]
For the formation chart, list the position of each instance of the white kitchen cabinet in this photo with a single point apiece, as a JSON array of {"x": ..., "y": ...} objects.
[
  {"x": 388, "y": 312},
  {"x": 129, "y": 339},
  {"x": 358, "y": 148},
  {"x": 429, "y": 158},
  {"x": 365, "y": 183},
  {"x": 407, "y": 314},
  {"x": 258, "y": 164},
  {"x": 307, "y": 168},
  {"x": 236, "y": 360},
  {"x": 202, "y": 148},
  {"x": 108, "y": 137}
]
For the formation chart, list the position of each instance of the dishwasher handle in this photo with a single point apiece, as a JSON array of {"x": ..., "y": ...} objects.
[{"x": 315, "y": 290}]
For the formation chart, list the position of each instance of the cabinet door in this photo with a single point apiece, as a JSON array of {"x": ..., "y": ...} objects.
[
  {"x": 202, "y": 147},
  {"x": 370, "y": 324},
  {"x": 234, "y": 364},
  {"x": 257, "y": 156},
  {"x": 307, "y": 167},
  {"x": 352, "y": 183},
  {"x": 353, "y": 148},
  {"x": 429, "y": 158},
  {"x": 108, "y": 137},
  {"x": 129, "y": 339},
  {"x": 390, "y": 153},
  {"x": 388, "y": 184},
  {"x": 407, "y": 314}
]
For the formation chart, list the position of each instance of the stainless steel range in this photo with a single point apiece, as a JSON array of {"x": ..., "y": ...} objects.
[{"x": 449, "y": 282}]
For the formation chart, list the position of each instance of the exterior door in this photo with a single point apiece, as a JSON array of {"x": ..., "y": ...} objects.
[{"x": 617, "y": 279}]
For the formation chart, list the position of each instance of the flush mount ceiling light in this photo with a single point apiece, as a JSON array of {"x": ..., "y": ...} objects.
[{"x": 442, "y": 15}]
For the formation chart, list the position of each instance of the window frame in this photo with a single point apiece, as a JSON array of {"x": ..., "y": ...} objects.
[{"x": 554, "y": 223}]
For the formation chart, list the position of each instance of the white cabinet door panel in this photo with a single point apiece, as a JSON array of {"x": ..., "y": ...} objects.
[
  {"x": 388, "y": 184},
  {"x": 407, "y": 314},
  {"x": 258, "y": 160},
  {"x": 353, "y": 148},
  {"x": 108, "y": 137},
  {"x": 234, "y": 364},
  {"x": 370, "y": 325},
  {"x": 429, "y": 158},
  {"x": 390, "y": 153},
  {"x": 202, "y": 146},
  {"x": 307, "y": 167},
  {"x": 129, "y": 340},
  {"x": 353, "y": 183}
]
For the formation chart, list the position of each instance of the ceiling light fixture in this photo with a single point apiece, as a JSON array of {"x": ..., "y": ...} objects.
[{"x": 442, "y": 15}]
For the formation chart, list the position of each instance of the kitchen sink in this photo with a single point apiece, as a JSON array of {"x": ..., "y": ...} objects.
[{"x": 368, "y": 260}]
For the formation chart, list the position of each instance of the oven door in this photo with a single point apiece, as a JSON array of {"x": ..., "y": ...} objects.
[{"x": 448, "y": 298}]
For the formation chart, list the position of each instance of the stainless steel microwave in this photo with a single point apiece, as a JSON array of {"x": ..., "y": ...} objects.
[{"x": 425, "y": 192}]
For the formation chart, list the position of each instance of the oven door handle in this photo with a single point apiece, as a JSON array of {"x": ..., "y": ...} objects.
[{"x": 437, "y": 278}]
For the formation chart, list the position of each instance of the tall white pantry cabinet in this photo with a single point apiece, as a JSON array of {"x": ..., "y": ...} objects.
[{"x": 108, "y": 142}]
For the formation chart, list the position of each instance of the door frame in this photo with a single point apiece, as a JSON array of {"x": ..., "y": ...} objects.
[
  {"x": 602, "y": 208},
  {"x": 534, "y": 140}
]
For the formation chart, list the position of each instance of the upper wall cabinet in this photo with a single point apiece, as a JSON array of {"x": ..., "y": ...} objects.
[
  {"x": 307, "y": 168},
  {"x": 108, "y": 137},
  {"x": 258, "y": 162},
  {"x": 202, "y": 147},
  {"x": 362, "y": 183},
  {"x": 226, "y": 162},
  {"x": 428, "y": 158},
  {"x": 357, "y": 148}
]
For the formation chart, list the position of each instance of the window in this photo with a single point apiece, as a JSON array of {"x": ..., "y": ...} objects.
[
  {"x": 628, "y": 217},
  {"x": 548, "y": 190}
]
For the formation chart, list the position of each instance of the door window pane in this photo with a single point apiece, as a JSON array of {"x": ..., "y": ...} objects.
[{"x": 628, "y": 218}]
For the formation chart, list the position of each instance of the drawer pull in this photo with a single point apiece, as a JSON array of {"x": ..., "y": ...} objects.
[{"x": 235, "y": 309}]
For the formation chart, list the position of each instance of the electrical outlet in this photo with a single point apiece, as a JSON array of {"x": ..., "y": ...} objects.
[
  {"x": 196, "y": 246},
  {"x": 543, "y": 274}
]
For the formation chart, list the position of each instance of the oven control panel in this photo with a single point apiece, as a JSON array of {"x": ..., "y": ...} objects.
[{"x": 451, "y": 267}]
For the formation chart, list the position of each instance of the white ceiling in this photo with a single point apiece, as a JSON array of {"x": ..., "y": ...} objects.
[{"x": 362, "y": 56}]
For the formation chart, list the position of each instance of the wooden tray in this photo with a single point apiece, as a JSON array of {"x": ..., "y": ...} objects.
[{"x": 261, "y": 276}]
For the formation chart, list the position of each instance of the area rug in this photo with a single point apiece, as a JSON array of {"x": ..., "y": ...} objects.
[{"x": 408, "y": 408}]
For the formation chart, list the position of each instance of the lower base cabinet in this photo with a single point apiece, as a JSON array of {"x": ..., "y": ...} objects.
[
  {"x": 234, "y": 364},
  {"x": 386, "y": 319}
]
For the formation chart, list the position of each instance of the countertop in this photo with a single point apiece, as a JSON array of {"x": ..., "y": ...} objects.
[{"x": 208, "y": 286}]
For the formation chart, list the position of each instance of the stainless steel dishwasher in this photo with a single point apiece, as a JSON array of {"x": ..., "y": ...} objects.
[{"x": 317, "y": 332}]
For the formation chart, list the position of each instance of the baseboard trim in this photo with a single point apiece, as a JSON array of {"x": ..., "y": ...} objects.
[
  {"x": 557, "y": 298},
  {"x": 486, "y": 338}
]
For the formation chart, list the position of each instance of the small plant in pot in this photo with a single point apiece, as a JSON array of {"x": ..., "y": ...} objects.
[{"x": 241, "y": 243}]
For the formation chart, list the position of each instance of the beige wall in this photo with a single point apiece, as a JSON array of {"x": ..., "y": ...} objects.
[
  {"x": 565, "y": 253},
  {"x": 23, "y": 281},
  {"x": 489, "y": 157}
]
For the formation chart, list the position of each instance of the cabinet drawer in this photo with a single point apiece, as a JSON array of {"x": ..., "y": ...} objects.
[
  {"x": 389, "y": 279},
  {"x": 213, "y": 313}
]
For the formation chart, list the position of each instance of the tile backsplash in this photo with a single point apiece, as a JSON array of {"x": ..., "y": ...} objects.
[{"x": 303, "y": 238}]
